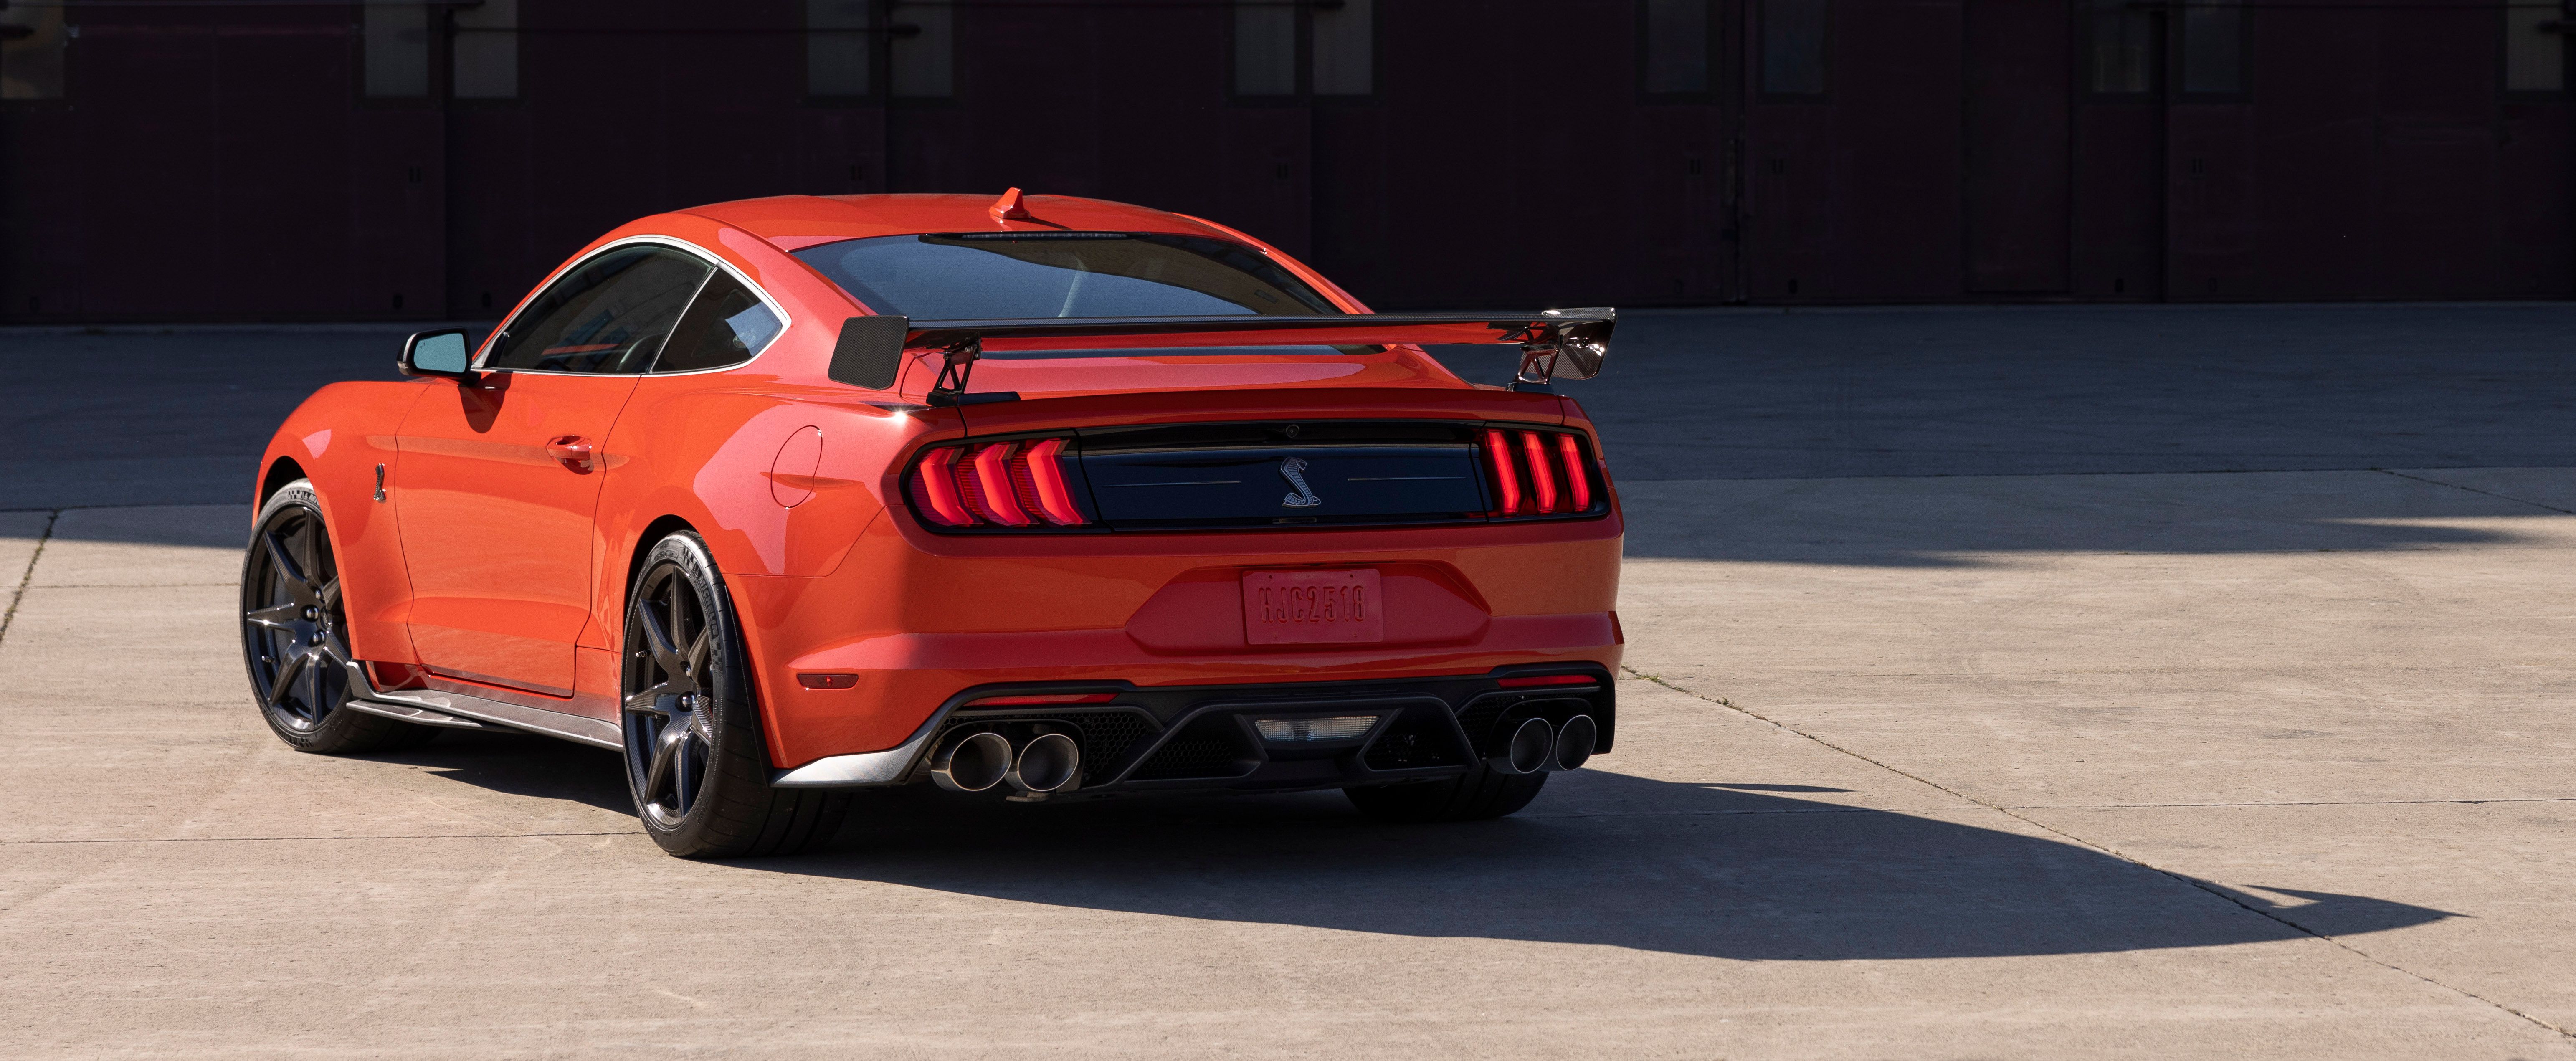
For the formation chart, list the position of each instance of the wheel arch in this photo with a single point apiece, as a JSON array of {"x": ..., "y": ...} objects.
[
  {"x": 661, "y": 527},
  {"x": 280, "y": 472}
]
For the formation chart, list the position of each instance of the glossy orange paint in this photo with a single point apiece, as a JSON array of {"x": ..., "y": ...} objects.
[
  {"x": 793, "y": 481},
  {"x": 497, "y": 530}
]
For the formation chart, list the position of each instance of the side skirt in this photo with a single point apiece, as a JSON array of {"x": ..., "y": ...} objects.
[{"x": 410, "y": 704}]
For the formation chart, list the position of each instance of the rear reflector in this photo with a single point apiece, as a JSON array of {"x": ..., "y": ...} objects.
[
  {"x": 827, "y": 681},
  {"x": 1042, "y": 698},
  {"x": 1548, "y": 679},
  {"x": 1300, "y": 730}
]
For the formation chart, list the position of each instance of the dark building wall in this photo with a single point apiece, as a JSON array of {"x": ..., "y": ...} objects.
[{"x": 224, "y": 161}]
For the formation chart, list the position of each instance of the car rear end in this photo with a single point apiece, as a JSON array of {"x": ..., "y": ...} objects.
[{"x": 1252, "y": 590}]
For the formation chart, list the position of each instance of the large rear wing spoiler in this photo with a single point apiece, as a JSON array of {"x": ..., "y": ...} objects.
[{"x": 1569, "y": 342}]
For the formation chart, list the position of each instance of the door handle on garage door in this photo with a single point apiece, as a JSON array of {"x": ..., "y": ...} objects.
[{"x": 573, "y": 449}]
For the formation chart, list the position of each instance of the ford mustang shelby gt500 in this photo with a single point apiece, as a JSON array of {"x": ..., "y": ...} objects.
[{"x": 1051, "y": 497}]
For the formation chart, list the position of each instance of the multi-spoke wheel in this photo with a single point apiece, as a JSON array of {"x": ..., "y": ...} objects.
[
  {"x": 295, "y": 634},
  {"x": 694, "y": 758}
]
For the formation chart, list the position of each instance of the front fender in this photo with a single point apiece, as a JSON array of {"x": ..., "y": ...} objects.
[{"x": 340, "y": 437}]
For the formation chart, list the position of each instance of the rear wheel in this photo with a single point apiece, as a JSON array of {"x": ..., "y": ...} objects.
[
  {"x": 1479, "y": 794},
  {"x": 295, "y": 635},
  {"x": 694, "y": 757}
]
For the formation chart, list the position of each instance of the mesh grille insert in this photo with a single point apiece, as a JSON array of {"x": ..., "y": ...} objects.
[{"x": 1210, "y": 747}]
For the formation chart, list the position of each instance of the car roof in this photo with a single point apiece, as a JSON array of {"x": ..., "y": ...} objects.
[{"x": 794, "y": 222}]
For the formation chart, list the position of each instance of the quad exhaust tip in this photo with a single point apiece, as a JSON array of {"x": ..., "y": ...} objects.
[
  {"x": 1047, "y": 763},
  {"x": 972, "y": 763},
  {"x": 1536, "y": 746}
]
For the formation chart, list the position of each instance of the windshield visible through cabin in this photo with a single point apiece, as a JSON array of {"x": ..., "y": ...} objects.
[{"x": 999, "y": 275}]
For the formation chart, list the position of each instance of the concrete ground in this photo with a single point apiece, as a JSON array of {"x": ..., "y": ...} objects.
[{"x": 2005, "y": 683}]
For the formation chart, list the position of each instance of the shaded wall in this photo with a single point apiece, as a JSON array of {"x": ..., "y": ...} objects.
[{"x": 223, "y": 162}]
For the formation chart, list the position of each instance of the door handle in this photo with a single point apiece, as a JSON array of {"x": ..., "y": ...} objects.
[{"x": 572, "y": 449}]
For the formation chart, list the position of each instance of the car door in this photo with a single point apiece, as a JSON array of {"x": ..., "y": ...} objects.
[{"x": 499, "y": 478}]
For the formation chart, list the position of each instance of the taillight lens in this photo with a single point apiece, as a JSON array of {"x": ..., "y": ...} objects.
[
  {"x": 1540, "y": 473},
  {"x": 1008, "y": 485}
]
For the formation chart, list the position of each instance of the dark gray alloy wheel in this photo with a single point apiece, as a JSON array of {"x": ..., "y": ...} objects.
[
  {"x": 694, "y": 757},
  {"x": 295, "y": 635},
  {"x": 1481, "y": 793}
]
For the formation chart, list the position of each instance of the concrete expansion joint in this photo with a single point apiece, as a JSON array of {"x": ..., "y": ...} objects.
[
  {"x": 2475, "y": 490},
  {"x": 19, "y": 593},
  {"x": 2295, "y": 803},
  {"x": 2219, "y": 891},
  {"x": 303, "y": 839}
]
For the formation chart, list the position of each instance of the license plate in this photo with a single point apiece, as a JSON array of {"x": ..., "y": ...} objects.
[{"x": 1313, "y": 607}]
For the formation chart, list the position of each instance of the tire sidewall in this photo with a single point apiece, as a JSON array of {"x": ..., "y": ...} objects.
[
  {"x": 736, "y": 760},
  {"x": 332, "y": 731}
]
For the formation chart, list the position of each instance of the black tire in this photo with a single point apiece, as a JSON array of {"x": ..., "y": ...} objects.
[
  {"x": 295, "y": 639},
  {"x": 695, "y": 761},
  {"x": 1481, "y": 793}
]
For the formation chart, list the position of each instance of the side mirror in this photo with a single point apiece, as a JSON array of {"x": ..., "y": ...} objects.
[{"x": 438, "y": 353}]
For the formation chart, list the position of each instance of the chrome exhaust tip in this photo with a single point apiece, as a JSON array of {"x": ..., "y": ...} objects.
[
  {"x": 972, "y": 763},
  {"x": 1531, "y": 748},
  {"x": 1574, "y": 741},
  {"x": 1049, "y": 762}
]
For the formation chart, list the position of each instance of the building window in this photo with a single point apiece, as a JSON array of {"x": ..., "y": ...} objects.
[
  {"x": 397, "y": 50},
  {"x": 1265, "y": 48},
  {"x": 1793, "y": 46},
  {"x": 923, "y": 57},
  {"x": 2120, "y": 52},
  {"x": 1345, "y": 48},
  {"x": 1675, "y": 43},
  {"x": 837, "y": 47},
  {"x": 32, "y": 42},
  {"x": 1338, "y": 39},
  {"x": 487, "y": 50},
  {"x": 2213, "y": 48},
  {"x": 2535, "y": 48}
]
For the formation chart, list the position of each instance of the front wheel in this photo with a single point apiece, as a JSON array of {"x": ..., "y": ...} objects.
[
  {"x": 694, "y": 758},
  {"x": 295, "y": 635}
]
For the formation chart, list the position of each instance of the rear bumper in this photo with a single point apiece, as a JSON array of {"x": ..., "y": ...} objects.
[
  {"x": 909, "y": 622},
  {"x": 1201, "y": 738}
]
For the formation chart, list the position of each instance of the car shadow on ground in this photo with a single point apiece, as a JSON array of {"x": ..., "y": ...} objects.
[
  {"x": 1734, "y": 870},
  {"x": 523, "y": 764},
  {"x": 1738, "y": 869}
]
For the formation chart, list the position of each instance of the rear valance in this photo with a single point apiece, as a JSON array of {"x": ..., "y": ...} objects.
[{"x": 1571, "y": 342}]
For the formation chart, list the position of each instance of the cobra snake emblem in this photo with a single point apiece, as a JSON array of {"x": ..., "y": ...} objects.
[{"x": 1293, "y": 470}]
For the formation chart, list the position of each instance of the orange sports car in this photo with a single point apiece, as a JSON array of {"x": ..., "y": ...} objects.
[{"x": 790, "y": 498}]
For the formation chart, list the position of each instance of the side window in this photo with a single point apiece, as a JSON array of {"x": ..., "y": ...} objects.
[
  {"x": 608, "y": 315},
  {"x": 725, "y": 326}
]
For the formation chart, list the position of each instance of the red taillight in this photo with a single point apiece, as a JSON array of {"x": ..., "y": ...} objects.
[
  {"x": 1055, "y": 497},
  {"x": 1551, "y": 475},
  {"x": 1542, "y": 480},
  {"x": 1578, "y": 480},
  {"x": 997, "y": 498},
  {"x": 1045, "y": 698},
  {"x": 1001, "y": 484},
  {"x": 1498, "y": 449},
  {"x": 934, "y": 488}
]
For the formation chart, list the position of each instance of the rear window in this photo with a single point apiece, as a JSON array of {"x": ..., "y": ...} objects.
[{"x": 999, "y": 275}]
